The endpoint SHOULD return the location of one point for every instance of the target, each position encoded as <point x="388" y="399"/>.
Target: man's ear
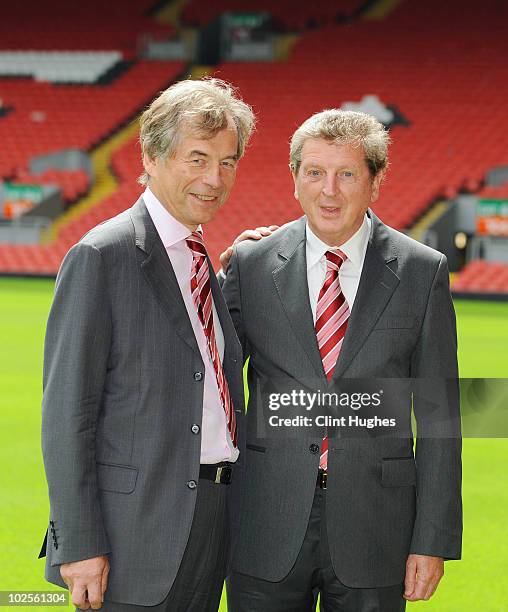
<point x="376" y="184"/>
<point x="295" y="193"/>
<point x="149" y="164"/>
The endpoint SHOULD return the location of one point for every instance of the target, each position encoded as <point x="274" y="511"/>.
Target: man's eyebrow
<point x="203" y="154"/>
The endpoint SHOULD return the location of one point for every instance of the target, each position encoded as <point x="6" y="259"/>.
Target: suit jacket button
<point x="192" y="484"/>
<point x="195" y="429"/>
<point x="314" y="449"/>
<point x="198" y="376"/>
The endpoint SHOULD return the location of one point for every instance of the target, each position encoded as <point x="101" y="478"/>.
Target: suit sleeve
<point x="232" y="295"/>
<point x="76" y="353"/>
<point x="438" y="524"/>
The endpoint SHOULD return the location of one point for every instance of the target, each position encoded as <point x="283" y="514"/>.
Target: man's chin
<point x="329" y="232"/>
<point x="204" y="214"/>
<point x="204" y="218"/>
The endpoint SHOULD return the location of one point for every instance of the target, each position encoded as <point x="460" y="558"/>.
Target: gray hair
<point x="206" y="106"/>
<point x="344" y="127"/>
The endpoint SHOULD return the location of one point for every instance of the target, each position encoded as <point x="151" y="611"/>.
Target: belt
<point x="220" y="473"/>
<point x="322" y="478"/>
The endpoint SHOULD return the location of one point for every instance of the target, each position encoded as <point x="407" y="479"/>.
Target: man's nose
<point x="213" y="177"/>
<point x="330" y="186"/>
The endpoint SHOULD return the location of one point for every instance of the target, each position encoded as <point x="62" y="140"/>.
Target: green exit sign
<point x="492" y="208"/>
<point x="27" y="193"/>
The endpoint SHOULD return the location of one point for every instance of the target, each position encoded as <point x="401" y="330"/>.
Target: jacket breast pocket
<point x="395" y="323"/>
<point x="116" y="478"/>
<point x="398" y="472"/>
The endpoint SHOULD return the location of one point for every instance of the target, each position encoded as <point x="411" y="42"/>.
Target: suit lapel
<point x="160" y="275"/>
<point x="290" y="280"/>
<point x="377" y="284"/>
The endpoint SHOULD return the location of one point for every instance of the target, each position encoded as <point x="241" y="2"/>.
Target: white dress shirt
<point x="349" y="272"/>
<point x="216" y="443"/>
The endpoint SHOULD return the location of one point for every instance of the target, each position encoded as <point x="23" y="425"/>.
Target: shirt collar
<point x="169" y="229"/>
<point x="354" y="248"/>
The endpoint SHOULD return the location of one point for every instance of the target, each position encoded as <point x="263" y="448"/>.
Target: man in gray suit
<point x="339" y="295"/>
<point x="143" y="389"/>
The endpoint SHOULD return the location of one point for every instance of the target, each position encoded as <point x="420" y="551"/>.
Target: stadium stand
<point x="441" y="65"/>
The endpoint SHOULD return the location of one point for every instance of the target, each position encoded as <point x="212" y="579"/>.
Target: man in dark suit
<point x="143" y="391"/>
<point x="339" y="295"/>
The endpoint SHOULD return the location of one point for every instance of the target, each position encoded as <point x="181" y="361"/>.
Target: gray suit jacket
<point x="381" y="503"/>
<point x="121" y="394"/>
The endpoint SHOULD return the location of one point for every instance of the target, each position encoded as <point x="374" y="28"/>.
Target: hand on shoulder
<point x="249" y="234"/>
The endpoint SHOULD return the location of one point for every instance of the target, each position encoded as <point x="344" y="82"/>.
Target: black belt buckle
<point x="322" y="479"/>
<point x="223" y="475"/>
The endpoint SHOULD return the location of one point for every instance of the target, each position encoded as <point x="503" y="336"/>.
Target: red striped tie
<point x="332" y="315"/>
<point x="202" y="296"/>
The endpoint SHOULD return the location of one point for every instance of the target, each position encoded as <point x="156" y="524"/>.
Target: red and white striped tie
<point x="332" y="315"/>
<point x="202" y="296"/>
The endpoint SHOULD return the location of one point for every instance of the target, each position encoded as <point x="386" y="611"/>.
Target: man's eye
<point x="229" y="164"/>
<point x="347" y="174"/>
<point x="313" y="173"/>
<point x="197" y="162"/>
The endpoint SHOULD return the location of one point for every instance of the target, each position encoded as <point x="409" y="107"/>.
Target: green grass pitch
<point x="478" y="582"/>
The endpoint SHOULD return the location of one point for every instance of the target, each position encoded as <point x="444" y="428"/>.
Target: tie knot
<point x="196" y="244"/>
<point x="335" y="258"/>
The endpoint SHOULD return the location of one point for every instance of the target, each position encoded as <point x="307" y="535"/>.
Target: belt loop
<point x="322" y="479"/>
